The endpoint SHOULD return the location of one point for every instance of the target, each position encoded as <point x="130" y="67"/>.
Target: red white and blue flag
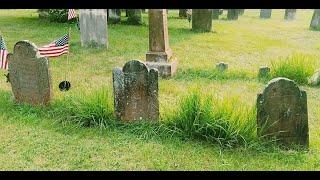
<point x="56" y="48"/>
<point x="71" y="14"/>
<point x="3" y="54"/>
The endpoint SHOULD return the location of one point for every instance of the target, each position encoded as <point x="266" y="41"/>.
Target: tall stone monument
<point x="136" y="92"/>
<point x="282" y="113"/>
<point x="29" y="75"/>
<point x="202" y="20"/>
<point x="93" y="27"/>
<point x="160" y="55"/>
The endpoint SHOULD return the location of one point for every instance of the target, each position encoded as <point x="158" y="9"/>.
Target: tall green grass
<point x="297" y="67"/>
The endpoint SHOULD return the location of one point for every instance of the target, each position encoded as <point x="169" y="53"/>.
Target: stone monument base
<point x="165" y="69"/>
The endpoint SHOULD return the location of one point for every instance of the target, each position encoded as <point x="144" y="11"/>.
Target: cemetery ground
<point x="78" y="131"/>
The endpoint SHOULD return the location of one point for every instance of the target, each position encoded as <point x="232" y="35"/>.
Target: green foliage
<point x="54" y="15"/>
<point x="297" y="67"/>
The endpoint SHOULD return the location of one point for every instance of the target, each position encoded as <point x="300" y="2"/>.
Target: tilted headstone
<point x="114" y="16"/>
<point x="29" y="75"/>
<point x="265" y="13"/>
<point x="202" y="20"/>
<point x="290" y="14"/>
<point x="93" y="27"/>
<point x="135" y="16"/>
<point x="221" y="66"/>
<point x="136" y="92"/>
<point x="160" y="55"/>
<point x="282" y="113"/>
<point x="233" y="14"/>
<point x="315" y="22"/>
<point x="263" y="71"/>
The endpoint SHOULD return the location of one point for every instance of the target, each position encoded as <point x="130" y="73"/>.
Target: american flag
<point x="3" y="54"/>
<point x="56" y="48"/>
<point x="71" y="14"/>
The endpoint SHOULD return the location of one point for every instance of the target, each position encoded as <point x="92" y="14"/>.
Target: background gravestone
<point x="29" y="75"/>
<point x="215" y="13"/>
<point x="202" y="20"/>
<point x="160" y="55"/>
<point x="233" y="14"/>
<point x="114" y="16"/>
<point x="136" y="92"/>
<point x="93" y="27"/>
<point x="265" y="13"/>
<point x="183" y="13"/>
<point x="282" y="113"/>
<point x="135" y="16"/>
<point x="290" y="14"/>
<point x="315" y="22"/>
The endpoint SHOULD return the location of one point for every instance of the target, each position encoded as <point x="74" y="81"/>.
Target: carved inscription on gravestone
<point x="29" y="75"/>
<point x="282" y="112"/>
<point x="136" y="92"/>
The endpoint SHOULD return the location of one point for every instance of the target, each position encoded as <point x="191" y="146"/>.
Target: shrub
<point x="54" y="15"/>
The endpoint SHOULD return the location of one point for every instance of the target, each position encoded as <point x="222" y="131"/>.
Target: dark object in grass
<point x="7" y="76"/>
<point x="64" y="86"/>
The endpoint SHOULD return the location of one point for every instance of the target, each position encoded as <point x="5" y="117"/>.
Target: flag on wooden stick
<point x="71" y="14"/>
<point x="56" y="48"/>
<point x="3" y="54"/>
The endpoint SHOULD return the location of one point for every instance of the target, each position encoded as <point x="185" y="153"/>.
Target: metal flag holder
<point x="66" y="85"/>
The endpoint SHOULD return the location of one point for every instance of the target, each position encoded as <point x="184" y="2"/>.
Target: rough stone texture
<point x="264" y="71"/>
<point x="160" y="54"/>
<point x="136" y="92"/>
<point x="265" y="13"/>
<point x="315" y="79"/>
<point x="29" y="75"/>
<point x="233" y="14"/>
<point x="114" y="16"/>
<point x="215" y="13"/>
<point x="183" y="13"/>
<point x="202" y="20"/>
<point x="315" y="22"/>
<point x="93" y="27"/>
<point x="135" y="16"/>
<point x="290" y="14"/>
<point x="282" y="113"/>
<point x="221" y="66"/>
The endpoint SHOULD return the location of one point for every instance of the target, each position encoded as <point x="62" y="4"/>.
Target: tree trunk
<point x="233" y="14"/>
<point x="183" y="13"/>
<point x="290" y="14"/>
<point x="315" y="21"/>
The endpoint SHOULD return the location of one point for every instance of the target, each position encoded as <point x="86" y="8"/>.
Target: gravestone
<point x="315" y="79"/>
<point x="315" y="22"/>
<point x="221" y="66"/>
<point x="240" y="12"/>
<point x="160" y="55"/>
<point x="183" y="13"/>
<point x="290" y="14"/>
<point x="202" y="20"/>
<point x="282" y="113"/>
<point x="233" y="14"/>
<point x="114" y="16"/>
<point x="29" y="75"/>
<point x="93" y="27"/>
<point x="215" y="13"/>
<point x="265" y="13"/>
<point x="134" y="16"/>
<point x="263" y="71"/>
<point x="136" y="92"/>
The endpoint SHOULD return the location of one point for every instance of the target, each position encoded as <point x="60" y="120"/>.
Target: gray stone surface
<point x="264" y="71"/>
<point x="160" y="55"/>
<point x="221" y="66"/>
<point x="29" y="75"/>
<point x="315" y="21"/>
<point x="93" y="27"/>
<point x="136" y="92"/>
<point x="265" y="13"/>
<point x="315" y="79"/>
<point x="202" y="20"/>
<point x="282" y="113"/>
<point x="290" y="14"/>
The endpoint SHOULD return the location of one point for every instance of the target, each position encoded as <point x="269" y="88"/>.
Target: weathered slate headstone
<point x="263" y="71"/>
<point x="233" y="14"/>
<point x="160" y="55"/>
<point x="114" y="16"/>
<point x="265" y="13"/>
<point x="136" y="92"/>
<point x="29" y="75"/>
<point x="93" y="27"/>
<point x="282" y="113"/>
<point x="315" y="22"/>
<point x="221" y="66"/>
<point x="202" y="20"/>
<point x="135" y="16"/>
<point x="290" y="14"/>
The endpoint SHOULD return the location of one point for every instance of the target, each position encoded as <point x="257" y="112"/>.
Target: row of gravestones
<point x="263" y="70"/>
<point x="281" y="107"/>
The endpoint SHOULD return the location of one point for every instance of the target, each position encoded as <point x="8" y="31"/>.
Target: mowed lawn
<point x="30" y="141"/>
